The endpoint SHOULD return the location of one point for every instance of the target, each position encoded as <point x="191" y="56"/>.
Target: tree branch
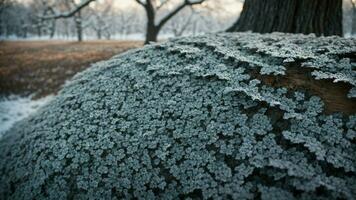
<point x="175" y="11"/>
<point x="70" y="13"/>
<point x="162" y="4"/>
<point x="141" y="3"/>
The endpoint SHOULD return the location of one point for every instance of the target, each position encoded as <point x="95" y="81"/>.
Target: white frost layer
<point x="15" y="108"/>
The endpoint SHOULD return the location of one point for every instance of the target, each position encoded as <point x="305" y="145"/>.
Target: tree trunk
<point x="79" y="33"/>
<point x="78" y="24"/>
<point x="322" y="17"/>
<point x="53" y="28"/>
<point x="151" y="29"/>
<point x="24" y="31"/>
<point x="98" y="34"/>
<point x="151" y="33"/>
<point x="39" y="30"/>
<point x="107" y="35"/>
<point x="1" y="27"/>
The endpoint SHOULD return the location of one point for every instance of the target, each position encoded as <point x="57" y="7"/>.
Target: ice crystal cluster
<point x="186" y="119"/>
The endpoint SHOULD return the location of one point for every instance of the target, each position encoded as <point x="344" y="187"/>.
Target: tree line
<point x="176" y="17"/>
<point x="101" y="19"/>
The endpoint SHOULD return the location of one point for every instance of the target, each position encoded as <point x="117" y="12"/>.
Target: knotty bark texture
<point x="322" y="17"/>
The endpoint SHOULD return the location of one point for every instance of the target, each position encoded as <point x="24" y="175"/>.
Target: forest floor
<point x="40" y="68"/>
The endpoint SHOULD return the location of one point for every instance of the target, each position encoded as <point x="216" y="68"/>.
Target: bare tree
<point x="181" y="23"/>
<point x="45" y="8"/>
<point x="100" y="19"/>
<point x="151" y="7"/>
<point x="99" y="25"/>
<point x="13" y="19"/>
<point x="3" y="5"/>
<point x="51" y="26"/>
<point x="127" y="21"/>
<point x="71" y="12"/>
<point x="75" y="12"/>
<point x="322" y="17"/>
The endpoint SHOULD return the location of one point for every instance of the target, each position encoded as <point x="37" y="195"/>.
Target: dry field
<point x="41" y="67"/>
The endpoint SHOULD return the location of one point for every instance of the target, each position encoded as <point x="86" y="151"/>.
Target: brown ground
<point x="41" y="67"/>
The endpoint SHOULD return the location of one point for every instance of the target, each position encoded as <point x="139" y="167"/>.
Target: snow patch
<point x="16" y="108"/>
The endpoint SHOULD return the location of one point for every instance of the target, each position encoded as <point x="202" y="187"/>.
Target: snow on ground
<point x="15" y="108"/>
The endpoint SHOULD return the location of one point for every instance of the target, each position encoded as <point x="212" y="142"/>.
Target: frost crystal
<point x="191" y="119"/>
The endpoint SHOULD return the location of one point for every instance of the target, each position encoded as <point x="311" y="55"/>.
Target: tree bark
<point x="151" y="33"/>
<point x="151" y="29"/>
<point x="322" y="17"/>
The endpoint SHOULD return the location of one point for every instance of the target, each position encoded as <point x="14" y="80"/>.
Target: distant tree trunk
<point x="53" y="28"/>
<point x="1" y="26"/>
<point x="98" y="34"/>
<point x="25" y="30"/>
<point x="53" y="23"/>
<point x="107" y="35"/>
<point x="322" y="17"/>
<point x="24" y="27"/>
<point x="78" y="26"/>
<point x="66" y="31"/>
<point x="39" y="30"/>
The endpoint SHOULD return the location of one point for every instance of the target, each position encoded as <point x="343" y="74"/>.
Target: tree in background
<point x="100" y="19"/>
<point x="180" y="24"/>
<point x="151" y="7"/>
<point x="322" y="17"/>
<point x="75" y="12"/>
<point x="3" y="4"/>
<point x="127" y="21"/>
<point x="13" y="19"/>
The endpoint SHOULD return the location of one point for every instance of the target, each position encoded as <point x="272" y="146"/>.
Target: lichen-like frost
<point x="185" y="119"/>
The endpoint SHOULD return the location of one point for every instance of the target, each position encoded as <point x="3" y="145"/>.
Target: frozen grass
<point x="15" y="108"/>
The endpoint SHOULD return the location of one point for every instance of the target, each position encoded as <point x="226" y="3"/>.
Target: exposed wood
<point x="334" y="95"/>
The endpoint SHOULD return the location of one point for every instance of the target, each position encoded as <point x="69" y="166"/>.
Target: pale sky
<point x="233" y="6"/>
<point x="230" y="7"/>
